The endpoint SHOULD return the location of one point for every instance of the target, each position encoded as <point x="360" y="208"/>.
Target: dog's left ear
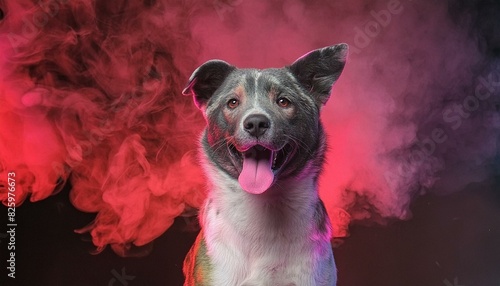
<point x="205" y="80"/>
<point x="318" y="70"/>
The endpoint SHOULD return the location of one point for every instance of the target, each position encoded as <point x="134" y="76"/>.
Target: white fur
<point x="268" y="239"/>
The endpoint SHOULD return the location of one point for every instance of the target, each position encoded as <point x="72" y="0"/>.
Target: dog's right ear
<point x="205" y="80"/>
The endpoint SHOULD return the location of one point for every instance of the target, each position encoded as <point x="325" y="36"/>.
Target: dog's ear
<point x="206" y="79"/>
<point x="318" y="70"/>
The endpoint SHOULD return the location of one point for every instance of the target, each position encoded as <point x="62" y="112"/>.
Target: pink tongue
<point x="257" y="175"/>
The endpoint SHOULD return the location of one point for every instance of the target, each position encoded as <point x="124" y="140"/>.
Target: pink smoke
<point x="409" y="61"/>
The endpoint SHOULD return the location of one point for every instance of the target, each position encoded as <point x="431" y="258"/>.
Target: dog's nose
<point x="256" y="124"/>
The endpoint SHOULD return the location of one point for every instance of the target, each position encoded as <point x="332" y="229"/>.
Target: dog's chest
<point x="261" y="242"/>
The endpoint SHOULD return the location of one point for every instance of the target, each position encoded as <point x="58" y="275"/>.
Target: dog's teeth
<point x="275" y="155"/>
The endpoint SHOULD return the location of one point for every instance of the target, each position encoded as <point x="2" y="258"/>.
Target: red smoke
<point x="90" y="93"/>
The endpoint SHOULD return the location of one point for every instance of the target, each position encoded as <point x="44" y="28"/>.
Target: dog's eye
<point x="233" y="103"/>
<point x="283" y="102"/>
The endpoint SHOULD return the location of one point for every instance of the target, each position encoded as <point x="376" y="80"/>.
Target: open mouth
<point x="259" y="165"/>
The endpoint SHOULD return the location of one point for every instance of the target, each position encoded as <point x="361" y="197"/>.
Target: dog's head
<point x="263" y="125"/>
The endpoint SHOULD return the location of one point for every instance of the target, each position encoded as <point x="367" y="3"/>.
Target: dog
<point x="263" y="149"/>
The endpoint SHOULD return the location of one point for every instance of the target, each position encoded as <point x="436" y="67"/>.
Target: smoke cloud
<point x="90" y="94"/>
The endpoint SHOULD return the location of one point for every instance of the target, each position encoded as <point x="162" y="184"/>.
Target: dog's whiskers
<point x="303" y="146"/>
